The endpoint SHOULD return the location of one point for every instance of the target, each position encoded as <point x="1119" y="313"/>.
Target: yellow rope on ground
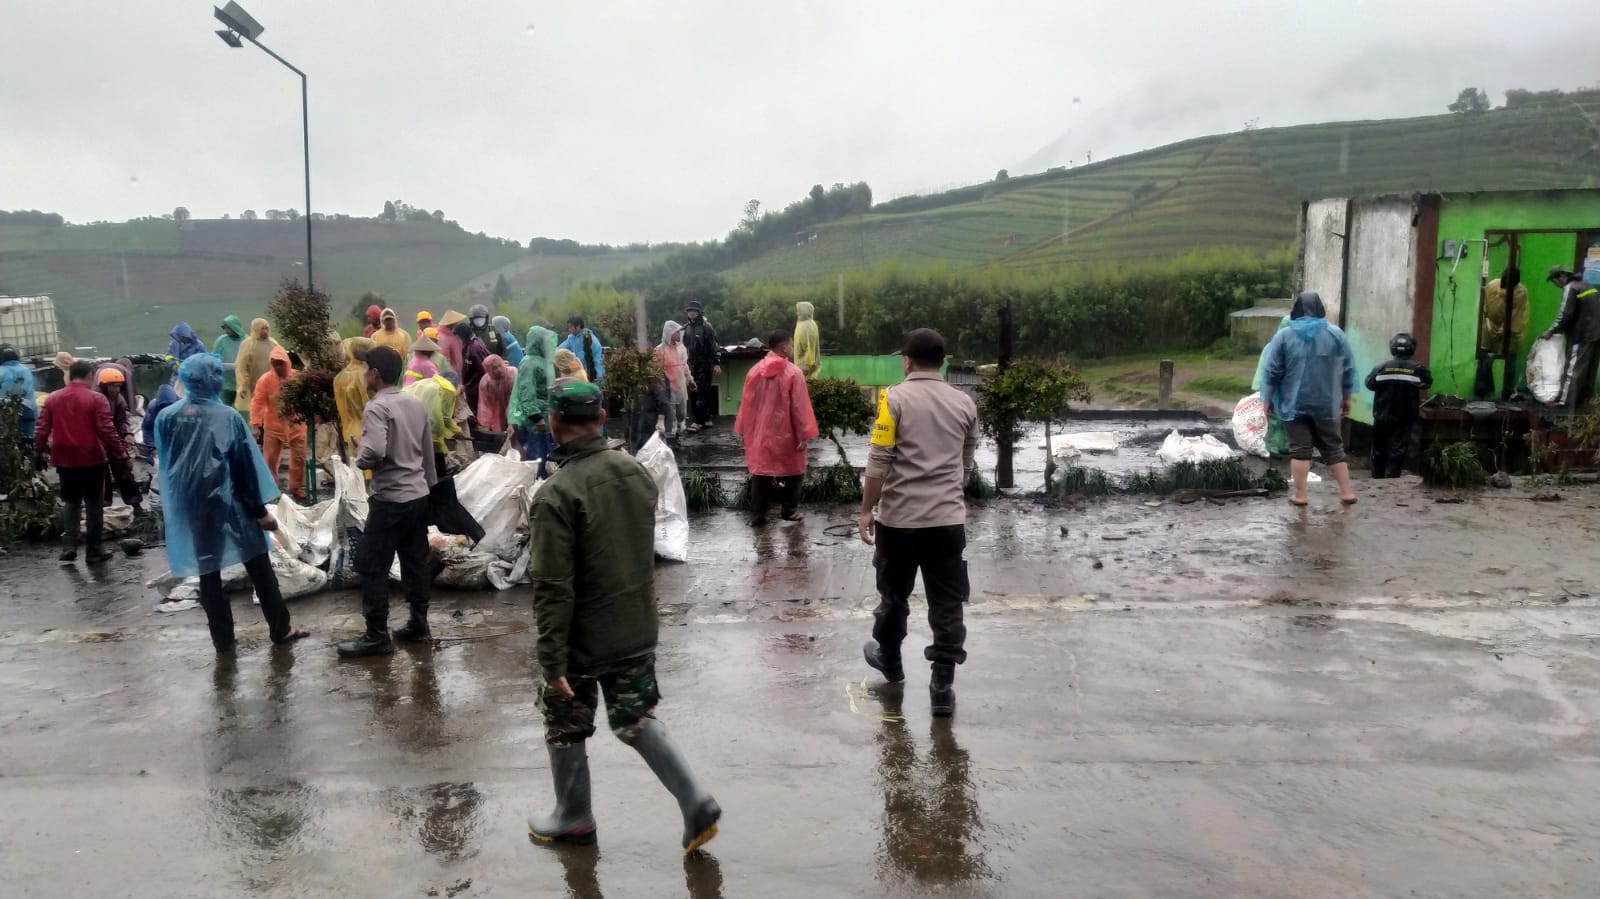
<point x="850" y="694"/>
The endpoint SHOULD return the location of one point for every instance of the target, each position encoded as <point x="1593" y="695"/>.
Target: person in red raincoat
<point x="494" y="394"/>
<point x="776" y="423"/>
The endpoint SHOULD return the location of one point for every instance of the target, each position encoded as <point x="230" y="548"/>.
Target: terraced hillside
<point x="1240" y="190"/>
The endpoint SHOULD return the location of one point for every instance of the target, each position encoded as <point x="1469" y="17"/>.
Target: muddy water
<point x="1239" y="701"/>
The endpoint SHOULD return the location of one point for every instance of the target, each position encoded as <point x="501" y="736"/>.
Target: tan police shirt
<point x="923" y="444"/>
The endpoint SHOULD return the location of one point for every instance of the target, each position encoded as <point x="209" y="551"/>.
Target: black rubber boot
<point x="368" y="644"/>
<point x="941" y="690"/>
<point x="416" y="630"/>
<point x="700" y="812"/>
<point x="886" y="662"/>
<point x="96" y="555"/>
<point x="573" y="818"/>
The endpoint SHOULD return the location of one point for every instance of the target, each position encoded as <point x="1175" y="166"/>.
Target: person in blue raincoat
<point x="1311" y="375"/>
<point x="585" y="344"/>
<point x="215" y="491"/>
<point x="513" y="350"/>
<point x="166" y="395"/>
<point x="16" y="380"/>
<point x="185" y="343"/>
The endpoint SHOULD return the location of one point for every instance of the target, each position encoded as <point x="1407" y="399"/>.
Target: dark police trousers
<point x="219" y="612"/>
<point x="936" y="552"/>
<point x="1391" y="440"/>
<point x="393" y="528"/>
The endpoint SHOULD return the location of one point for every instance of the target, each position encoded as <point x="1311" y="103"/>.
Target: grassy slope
<point x="1239" y="190"/>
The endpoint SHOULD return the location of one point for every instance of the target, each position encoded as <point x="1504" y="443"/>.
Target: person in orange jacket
<point x="274" y="428"/>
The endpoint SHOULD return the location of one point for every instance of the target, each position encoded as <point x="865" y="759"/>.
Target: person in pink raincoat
<point x="494" y="393"/>
<point x="775" y="422"/>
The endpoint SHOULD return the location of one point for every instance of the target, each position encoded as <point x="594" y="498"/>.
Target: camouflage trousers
<point x="631" y="695"/>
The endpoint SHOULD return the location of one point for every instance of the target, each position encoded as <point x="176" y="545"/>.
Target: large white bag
<point x="1250" y="426"/>
<point x="1178" y="448"/>
<point x="492" y="490"/>
<point x="1546" y="362"/>
<point x="672" y="507"/>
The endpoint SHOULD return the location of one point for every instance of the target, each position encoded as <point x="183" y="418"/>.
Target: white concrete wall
<point x="1323" y="253"/>
<point x="1378" y="298"/>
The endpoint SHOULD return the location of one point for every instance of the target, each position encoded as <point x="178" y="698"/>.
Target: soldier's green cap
<point x="576" y="399"/>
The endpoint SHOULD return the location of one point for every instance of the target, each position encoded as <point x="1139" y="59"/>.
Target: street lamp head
<point x="237" y="20"/>
<point x="229" y="37"/>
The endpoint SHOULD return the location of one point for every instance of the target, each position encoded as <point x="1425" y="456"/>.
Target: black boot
<point x="69" y="549"/>
<point x="573" y="818"/>
<point x="884" y="661"/>
<point x="96" y="554"/>
<point x="700" y="812"/>
<point x="371" y="643"/>
<point x="941" y="690"/>
<point x="416" y="629"/>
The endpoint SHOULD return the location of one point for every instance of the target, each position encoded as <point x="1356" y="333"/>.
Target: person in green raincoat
<point x="530" y="397"/>
<point x="1277" y="440"/>
<point x="227" y="348"/>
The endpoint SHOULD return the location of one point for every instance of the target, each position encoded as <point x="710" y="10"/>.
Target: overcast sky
<point x="623" y="121"/>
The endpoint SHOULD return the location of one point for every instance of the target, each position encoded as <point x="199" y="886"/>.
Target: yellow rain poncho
<point x="252" y="362"/>
<point x="807" y="340"/>
<point x="439" y="396"/>
<point x="350" y="392"/>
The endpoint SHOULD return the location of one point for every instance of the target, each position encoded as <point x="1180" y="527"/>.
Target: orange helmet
<point x="111" y="376"/>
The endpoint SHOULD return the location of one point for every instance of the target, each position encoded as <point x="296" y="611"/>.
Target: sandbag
<point x="1178" y="448"/>
<point x="1250" y="426"/>
<point x="490" y="489"/>
<point x="1070" y="445"/>
<point x="1546" y="362"/>
<point x="295" y="578"/>
<point x="672" y="507"/>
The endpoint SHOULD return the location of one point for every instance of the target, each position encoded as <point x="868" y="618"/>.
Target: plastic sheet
<point x="490" y="489"/>
<point x="1070" y="445"/>
<point x="672" y="508"/>
<point x="1178" y="448"/>
<point x="1546" y="361"/>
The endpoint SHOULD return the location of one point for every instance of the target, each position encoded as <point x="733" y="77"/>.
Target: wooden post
<point x="1003" y="475"/>
<point x="1164" y="390"/>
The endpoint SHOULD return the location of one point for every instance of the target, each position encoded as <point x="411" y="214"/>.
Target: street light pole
<point x="242" y="25"/>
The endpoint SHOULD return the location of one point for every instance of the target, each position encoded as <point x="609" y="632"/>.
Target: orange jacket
<point x="266" y="408"/>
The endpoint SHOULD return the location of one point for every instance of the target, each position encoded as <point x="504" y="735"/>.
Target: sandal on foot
<point x="1299" y="503"/>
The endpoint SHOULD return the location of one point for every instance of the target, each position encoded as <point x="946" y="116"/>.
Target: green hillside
<point x="1239" y="190"/>
<point x="121" y="287"/>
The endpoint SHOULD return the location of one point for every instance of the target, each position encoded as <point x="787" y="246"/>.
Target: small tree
<point x="181" y="214"/>
<point x="840" y="407"/>
<point x="1002" y="175"/>
<point x="630" y="376"/>
<point x="1471" y="100"/>
<point x="301" y="322"/>
<point x="1038" y="390"/>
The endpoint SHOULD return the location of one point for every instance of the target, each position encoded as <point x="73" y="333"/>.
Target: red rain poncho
<point x="494" y="393"/>
<point x="775" y="418"/>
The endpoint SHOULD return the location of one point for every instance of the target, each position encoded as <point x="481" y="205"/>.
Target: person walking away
<point x="424" y="353"/>
<point x="530" y="401"/>
<point x="391" y="335"/>
<point x="253" y="361"/>
<point x="585" y="344"/>
<point x="807" y="340"/>
<point x="1397" y="386"/>
<point x="450" y="346"/>
<point x="592" y="566"/>
<point x="274" y="428"/>
<point x="374" y="320"/>
<point x="512" y="351"/>
<point x="184" y="342"/>
<point x="473" y="354"/>
<point x="776" y="422"/>
<point x="705" y="364"/>
<point x="397" y="448"/>
<point x="350" y="392"/>
<point x="17" y="382"/>
<point x="226" y="348"/>
<point x="568" y="368"/>
<point x="478" y="316"/>
<point x="1311" y="374"/>
<point x="445" y="512"/>
<point x="424" y="322"/>
<point x="1579" y="320"/>
<point x="675" y="363"/>
<point x="494" y="394"/>
<point x="76" y="432"/>
<point x="215" y="493"/>
<point x="914" y="514"/>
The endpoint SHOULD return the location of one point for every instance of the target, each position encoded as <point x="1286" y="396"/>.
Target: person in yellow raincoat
<point x="439" y="396"/>
<point x="350" y="392"/>
<point x="391" y="335"/>
<point x="252" y="361"/>
<point x="567" y="366"/>
<point x="807" y="340"/>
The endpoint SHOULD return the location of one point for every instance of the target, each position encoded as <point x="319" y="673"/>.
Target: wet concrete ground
<point x="1238" y="701"/>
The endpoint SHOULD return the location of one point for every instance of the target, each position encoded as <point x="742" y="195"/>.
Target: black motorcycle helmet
<point x="8" y="353"/>
<point x="1403" y="345"/>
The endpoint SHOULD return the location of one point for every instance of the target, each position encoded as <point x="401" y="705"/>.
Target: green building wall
<point x="868" y="371"/>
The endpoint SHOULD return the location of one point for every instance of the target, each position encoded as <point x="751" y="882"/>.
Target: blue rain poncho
<point x="213" y="479"/>
<point x="513" y="350"/>
<point x="17" y="380"/>
<point x="165" y="396"/>
<point x="1309" y="365"/>
<point x="184" y="343"/>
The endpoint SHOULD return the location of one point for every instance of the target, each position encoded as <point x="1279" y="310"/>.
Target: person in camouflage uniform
<point x="593" y="574"/>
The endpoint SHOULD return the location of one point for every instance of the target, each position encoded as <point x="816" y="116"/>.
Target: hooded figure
<point x="776" y="422"/>
<point x="450" y="346"/>
<point x="276" y="428"/>
<point x="390" y="334"/>
<point x="165" y="396"/>
<point x="350" y="392"/>
<point x="512" y="351"/>
<point x="255" y="353"/>
<point x="215" y="488"/>
<point x="473" y="354"/>
<point x="674" y="358"/>
<point x="530" y="400"/>
<point x="1311" y="375"/>
<point x="374" y="320"/>
<point x="568" y="366"/>
<point x="421" y="367"/>
<point x="807" y="340"/>
<point x="16" y="380"/>
<point x="494" y="394"/>
<point x="227" y="349"/>
<point x="478" y="315"/>
<point x="184" y="342"/>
